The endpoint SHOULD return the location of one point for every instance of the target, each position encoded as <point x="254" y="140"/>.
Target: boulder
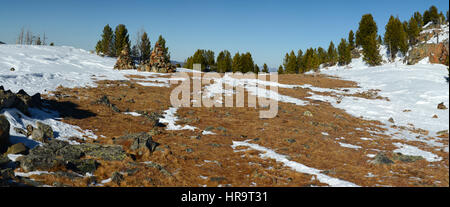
<point x="4" y="133"/>
<point x="18" y="148"/>
<point x="382" y="158"/>
<point x="58" y="153"/>
<point x="139" y="142"/>
<point x="46" y="130"/>
<point x="20" y="100"/>
<point x="442" y="106"/>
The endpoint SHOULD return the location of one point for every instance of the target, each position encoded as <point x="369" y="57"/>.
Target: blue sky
<point x="266" y="28"/>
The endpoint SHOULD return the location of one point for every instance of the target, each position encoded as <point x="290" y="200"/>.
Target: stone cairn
<point x="124" y="61"/>
<point x="158" y="62"/>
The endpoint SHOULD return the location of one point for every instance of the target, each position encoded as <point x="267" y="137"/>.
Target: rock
<point x="38" y="135"/>
<point x="20" y="131"/>
<point x="437" y="53"/>
<point x="435" y="116"/>
<point x="46" y="129"/>
<point x="4" y="160"/>
<point x="443" y="132"/>
<point x="442" y="106"/>
<point x="18" y="148"/>
<point x="117" y="178"/>
<point x="140" y="141"/>
<point x="60" y="153"/>
<point x="382" y="158"/>
<point x="221" y="128"/>
<point x="29" y="130"/>
<point x="82" y="166"/>
<point x="291" y="140"/>
<point x="4" y="133"/>
<point x="406" y="158"/>
<point x="12" y="69"/>
<point x="20" y="100"/>
<point x="307" y="113"/>
<point x="105" y="101"/>
<point x="391" y="120"/>
<point x="159" y="167"/>
<point x="105" y="152"/>
<point x="124" y="61"/>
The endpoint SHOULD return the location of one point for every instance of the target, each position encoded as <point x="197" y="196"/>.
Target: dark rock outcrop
<point x="4" y="133"/>
<point x="139" y="142"/>
<point x="20" y="100"/>
<point x="58" y="153"/>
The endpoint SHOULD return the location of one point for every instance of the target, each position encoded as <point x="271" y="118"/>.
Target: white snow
<point x="28" y="174"/>
<point x="40" y="69"/>
<point x="132" y="113"/>
<point x="170" y="118"/>
<point x="14" y="157"/>
<point x="349" y="145"/>
<point x="268" y="153"/>
<point x="419" y="87"/>
<point x="414" y="151"/>
<point x="61" y="130"/>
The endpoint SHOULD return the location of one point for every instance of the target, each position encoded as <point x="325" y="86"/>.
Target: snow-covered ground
<point x="41" y="69"/>
<point x="413" y="92"/>
<point x="416" y="88"/>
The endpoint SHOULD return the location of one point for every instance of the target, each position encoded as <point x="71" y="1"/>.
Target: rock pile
<point x="158" y="63"/>
<point x="20" y="100"/>
<point x="124" y="61"/>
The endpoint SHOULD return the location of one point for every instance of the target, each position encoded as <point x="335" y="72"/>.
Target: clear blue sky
<point x="266" y="28"/>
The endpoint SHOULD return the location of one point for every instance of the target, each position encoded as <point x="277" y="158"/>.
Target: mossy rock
<point x="406" y="158"/>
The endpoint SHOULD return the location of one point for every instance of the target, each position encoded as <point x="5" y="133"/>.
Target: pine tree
<point x="351" y="40"/>
<point x="236" y="64"/>
<point x="300" y="65"/>
<point x="434" y="15"/>
<point x="247" y="64"/>
<point x="322" y="54"/>
<point x="419" y="19"/>
<point x="122" y="39"/>
<point x="332" y="54"/>
<point x="144" y="47"/>
<point x="413" y="31"/>
<point x="345" y="55"/>
<point x="162" y="43"/>
<point x="291" y="63"/>
<point x="106" y="45"/>
<point x="265" y="68"/>
<point x="395" y="37"/>
<point x="426" y="17"/>
<point x="224" y="62"/>
<point x="280" y="70"/>
<point x="256" y="70"/>
<point x="367" y="38"/>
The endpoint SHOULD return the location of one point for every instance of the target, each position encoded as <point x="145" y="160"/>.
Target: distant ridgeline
<point x="2" y="43"/>
<point x="117" y="44"/>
